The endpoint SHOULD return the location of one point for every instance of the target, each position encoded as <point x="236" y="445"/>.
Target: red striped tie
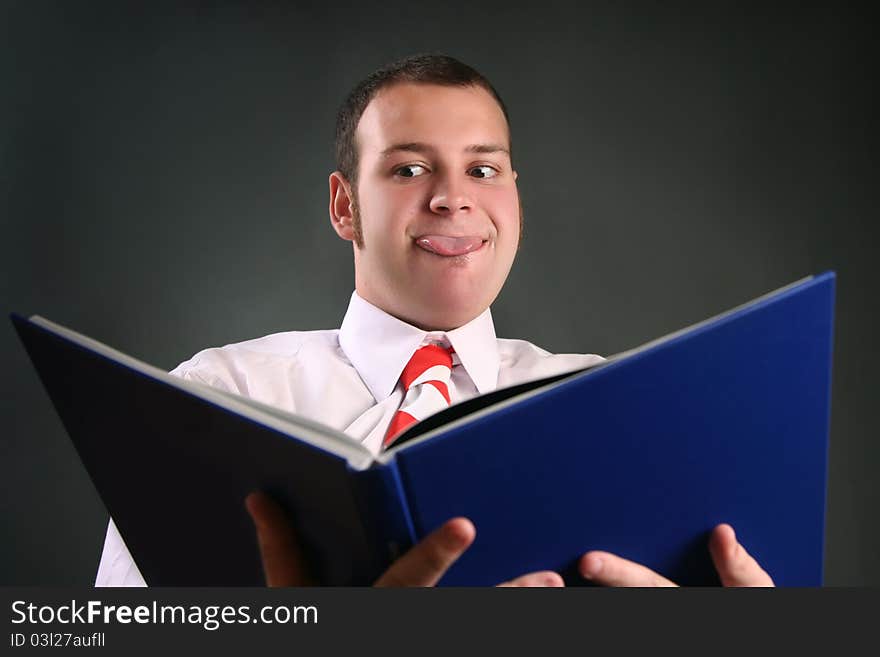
<point x="425" y="379"/>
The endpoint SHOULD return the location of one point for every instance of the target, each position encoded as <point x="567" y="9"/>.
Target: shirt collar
<point x="379" y="346"/>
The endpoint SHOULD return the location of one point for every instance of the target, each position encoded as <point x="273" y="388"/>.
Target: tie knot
<point x="426" y="382"/>
<point x="424" y="359"/>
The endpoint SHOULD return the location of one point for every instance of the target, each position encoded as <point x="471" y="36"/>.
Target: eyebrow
<point x="420" y="147"/>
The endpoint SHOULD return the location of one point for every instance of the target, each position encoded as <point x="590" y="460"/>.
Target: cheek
<point x="393" y="211"/>
<point x="506" y="215"/>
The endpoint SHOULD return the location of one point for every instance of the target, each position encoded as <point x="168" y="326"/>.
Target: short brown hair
<point x="420" y="69"/>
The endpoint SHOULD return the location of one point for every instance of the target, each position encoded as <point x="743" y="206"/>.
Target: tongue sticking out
<point x="449" y="246"/>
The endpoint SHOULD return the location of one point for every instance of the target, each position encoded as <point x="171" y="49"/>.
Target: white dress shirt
<point x="348" y="378"/>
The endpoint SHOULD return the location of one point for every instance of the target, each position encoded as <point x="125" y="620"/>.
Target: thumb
<point x="283" y="562"/>
<point x="427" y="561"/>
<point x="735" y="566"/>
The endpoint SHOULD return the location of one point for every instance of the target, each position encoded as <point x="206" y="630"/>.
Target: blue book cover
<point x="724" y="421"/>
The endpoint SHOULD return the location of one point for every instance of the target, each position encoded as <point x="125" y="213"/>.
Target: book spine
<point x="385" y="512"/>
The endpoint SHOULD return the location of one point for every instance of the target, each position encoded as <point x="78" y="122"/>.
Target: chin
<point x="447" y="314"/>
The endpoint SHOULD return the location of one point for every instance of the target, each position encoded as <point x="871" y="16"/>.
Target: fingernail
<point x="591" y="566"/>
<point x="458" y="533"/>
<point x="553" y="580"/>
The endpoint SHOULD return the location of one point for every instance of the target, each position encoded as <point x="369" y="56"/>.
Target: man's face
<point x="437" y="203"/>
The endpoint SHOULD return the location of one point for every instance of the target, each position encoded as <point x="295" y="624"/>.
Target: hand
<point x="735" y="566"/>
<point x="423" y="565"/>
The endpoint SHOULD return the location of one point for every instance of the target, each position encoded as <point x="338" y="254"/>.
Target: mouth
<point x="449" y="247"/>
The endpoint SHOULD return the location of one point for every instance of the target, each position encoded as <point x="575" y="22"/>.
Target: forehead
<point x="441" y="116"/>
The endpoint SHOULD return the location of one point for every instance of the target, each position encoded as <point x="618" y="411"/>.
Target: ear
<point x="341" y="212"/>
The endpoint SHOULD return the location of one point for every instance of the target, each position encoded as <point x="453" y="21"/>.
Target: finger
<point x="283" y="563"/>
<point x="542" y="578"/>
<point x="426" y="562"/>
<point x="610" y="570"/>
<point x="735" y="566"/>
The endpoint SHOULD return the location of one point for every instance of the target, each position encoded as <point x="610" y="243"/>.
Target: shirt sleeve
<point x="117" y="567"/>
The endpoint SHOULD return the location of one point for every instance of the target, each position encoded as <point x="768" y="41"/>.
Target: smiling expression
<point x="437" y="210"/>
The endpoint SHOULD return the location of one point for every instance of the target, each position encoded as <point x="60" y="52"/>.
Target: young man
<point x="426" y="193"/>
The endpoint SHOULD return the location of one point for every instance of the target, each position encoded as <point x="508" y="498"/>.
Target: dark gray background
<point x="164" y="188"/>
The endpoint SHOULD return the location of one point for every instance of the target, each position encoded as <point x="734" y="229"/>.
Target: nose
<point x="450" y="195"/>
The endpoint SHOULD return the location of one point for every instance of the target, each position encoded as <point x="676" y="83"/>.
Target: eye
<point x="410" y="170"/>
<point x="483" y="171"/>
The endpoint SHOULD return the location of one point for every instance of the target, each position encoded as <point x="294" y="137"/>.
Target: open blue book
<point x="642" y="455"/>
